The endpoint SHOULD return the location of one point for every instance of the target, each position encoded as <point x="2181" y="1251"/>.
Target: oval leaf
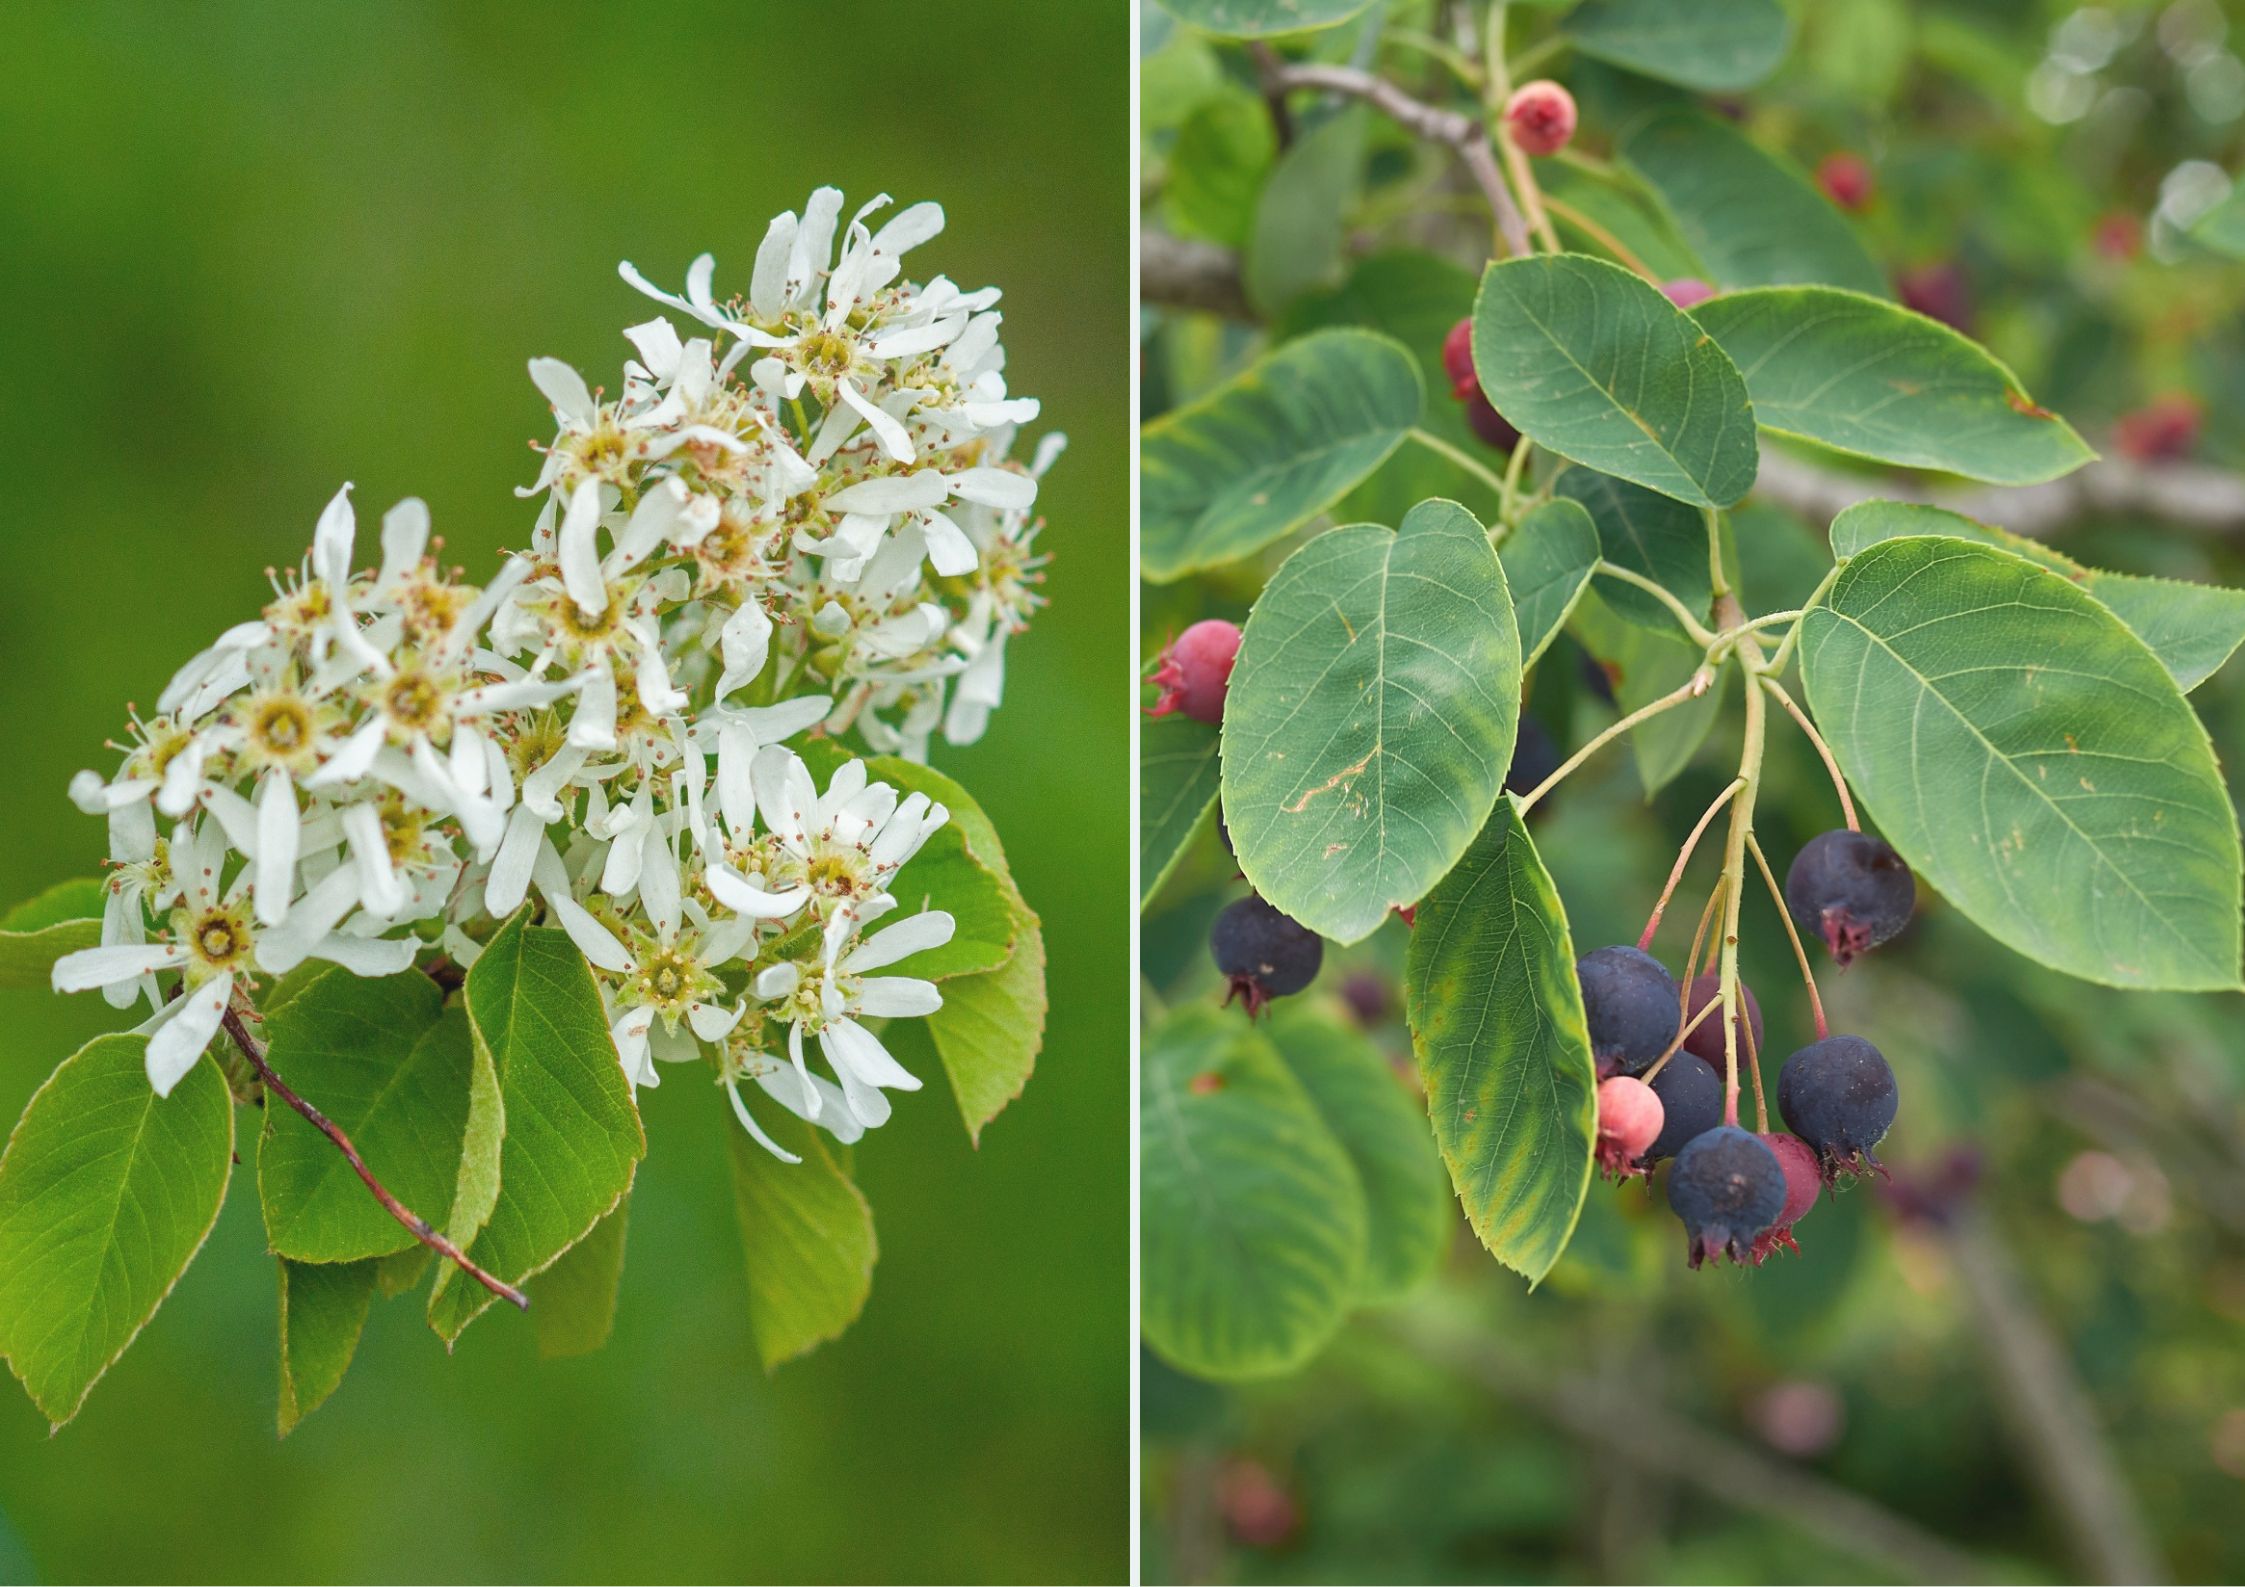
<point x="1497" y="1023"/>
<point x="1647" y="533"/>
<point x="1370" y="717"/>
<point x="1301" y="216"/>
<point x="1641" y="664"/>
<point x="1863" y="376"/>
<point x="1251" y="19"/>
<point x="807" y="1235"/>
<point x="1715" y="46"/>
<point x="44" y="927"/>
<point x="106" y="1193"/>
<point x="1270" y="449"/>
<point x="573" y="1302"/>
<point x="1548" y="558"/>
<point x="1253" y="1223"/>
<point x="1382" y="1125"/>
<point x="323" y="1312"/>
<point x="2192" y="628"/>
<point x="1177" y="767"/>
<point x="2030" y="757"/>
<point x="1753" y="219"/>
<point x="1591" y="362"/>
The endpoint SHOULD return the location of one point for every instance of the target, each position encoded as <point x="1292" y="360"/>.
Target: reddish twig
<point x="1816" y="741"/>
<point x="418" y="1226"/>
<point x="1800" y="953"/>
<point x="1676" y="872"/>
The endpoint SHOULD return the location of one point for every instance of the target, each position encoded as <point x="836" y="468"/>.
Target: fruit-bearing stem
<point x="1683" y="857"/>
<point x="1748" y="649"/>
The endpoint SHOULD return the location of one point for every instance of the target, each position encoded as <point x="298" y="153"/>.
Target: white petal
<point x="658" y="345"/>
<point x="949" y="550"/>
<point x="658" y="882"/>
<point x="908" y="228"/>
<point x="333" y="538"/>
<point x="370" y="850"/>
<point x="595" y="941"/>
<point x="894" y="441"/>
<point x="279" y="832"/>
<point x="713" y="1022"/>
<point x="509" y="882"/>
<point x="890" y="493"/>
<point x="593" y="725"/>
<point x="897" y="997"/>
<point x="366" y="956"/>
<point x="860" y="1052"/>
<point x="913" y="934"/>
<point x="737" y="893"/>
<point x="580" y="561"/>
<point x="746" y="644"/>
<point x="994" y="487"/>
<point x="92" y="967"/>
<point x="405" y="536"/>
<point x="174" y="1047"/>
<point x="740" y="1111"/>
<point x="566" y="390"/>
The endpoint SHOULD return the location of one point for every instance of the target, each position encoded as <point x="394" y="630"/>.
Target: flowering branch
<point x="418" y="1226"/>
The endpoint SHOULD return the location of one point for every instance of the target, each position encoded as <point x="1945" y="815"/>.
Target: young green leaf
<point x="44" y="927"/>
<point x="962" y="868"/>
<point x="1300" y="218"/>
<point x="1715" y="46"/>
<point x="1255" y="1230"/>
<point x="1863" y="376"/>
<point x="1650" y="534"/>
<point x="1249" y="19"/>
<point x="2031" y="758"/>
<point x="107" y="1191"/>
<point x="1750" y="216"/>
<point x="990" y="1028"/>
<point x="1272" y="448"/>
<point x="1370" y="717"/>
<point x="1497" y="1022"/>
<point x="1177" y="765"/>
<point x="1223" y="153"/>
<point x="1382" y="1125"/>
<point x="391" y="1067"/>
<point x="1642" y="664"/>
<point x="808" y="1237"/>
<point x="1591" y="362"/>
<point x="1547" y="562"/>
<point x="573" y="1137"/>
<point x="323" y="1312"/>
<point x="573" y="1302"/>
<point x="2192" y="628"/>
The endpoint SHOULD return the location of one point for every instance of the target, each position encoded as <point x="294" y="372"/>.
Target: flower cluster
<point x="805" y="522"/>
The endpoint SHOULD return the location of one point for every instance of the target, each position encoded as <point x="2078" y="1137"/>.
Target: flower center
<point x="219" y="939"/>
<point x="824" y="353"/>
<point x="415" y="704"/>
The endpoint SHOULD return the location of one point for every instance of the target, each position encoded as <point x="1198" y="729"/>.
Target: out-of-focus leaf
<point x="1248" y="19"/>
<point x="1715" y="46"/>
<point x="44" y="927"/>
<point x="1548" y="558"/>
<point x="807" y="1235"/>
<point x="1294" y="245"/>
<point x="323" y="1311"/>
<point x="1177" y="776"/>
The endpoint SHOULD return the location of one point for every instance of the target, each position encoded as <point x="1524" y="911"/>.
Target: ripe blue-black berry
<point x="1852" y="889"/>
<point x="1534" y="757"/>
<point x="1263" y="954"/>
<point x="1728" y="1188"/>
<point x="1706" y="1039"/>
<point x="1691" y="1103"/>
<point x="1196" y="670"/>
<point x="1838" y="1095"/>
<point x="1631" y="1001"/>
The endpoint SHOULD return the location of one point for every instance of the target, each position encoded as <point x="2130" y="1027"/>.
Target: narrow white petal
<point x="737" y="893"/>
<point x="886" y="430"/>
<point x="580" y="561"/>
<point x="566" y="390"/>
<point x="279" y="833"/>
<point x="995" y="487"/>
<point x="949" y="549"/>
<point x="740" y="1111"/>
<point x="124" y="962"/>
<point x="913" y="934"/>
<point x="595" y="941"/>
<point x="405" y="536"/>
<point x="509" y="882"/>
<point x="173" y="1048"/>
<point x="897" y="997"/>
<point x="366" y="956"/>
<point x="890" y="493"/>
<point x="332" y="539"/>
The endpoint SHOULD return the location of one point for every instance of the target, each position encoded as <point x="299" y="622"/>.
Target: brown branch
<point x="1462" y="133"/>
<point x="1623" y="1421"/>
<point x="418" y="1226"/>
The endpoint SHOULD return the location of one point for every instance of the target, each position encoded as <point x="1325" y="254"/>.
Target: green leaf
<point x="396" y="1274"/>
<point x="1370" y="717"/>
<point x="1863" y="376"/>
<point x="2031" y="758"/>
<point x="1270" y="449"/>
<point x="391" y="1067"/>
<point x="1647" y="533"/>
<point x="2222" y="228"/>
<point x="1254" y="1227"/>
<point x="990" y="1028"/>
<point x="2192" y="628"/>
<point x="323" y="1311"/>
<point x="1301" y="217"/>
<point x="1381" y="1124"/>
<point x="1753" y="219"/>
<point x="1547" y="561"/>
<point x="808" y="1237"/>
<point x="1497" y="1022"/>
<point x="1617" y="203"/>
<point x="572" y="1134"/>
<point x="1217" y="169"/>
<point x="44" y="927"/>
<point x="1642" y="664"/>
<point x="106" y="1193"/>
<point x="573" y="1302"/>
<point x="1251" y="19"/>
<point x="1591" y="362"/>
<point x="1715" y="46"/>
<point x="1177" y="767"/>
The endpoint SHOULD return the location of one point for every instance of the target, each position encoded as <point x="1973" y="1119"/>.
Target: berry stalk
<point x="1750" y="660"/>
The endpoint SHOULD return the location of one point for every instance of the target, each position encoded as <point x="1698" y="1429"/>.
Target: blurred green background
<point x="253" y="250"/>
<point x="2057" y="1287"/>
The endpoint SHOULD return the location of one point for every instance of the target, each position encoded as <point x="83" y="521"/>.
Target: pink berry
<point x="1706" y="1039"/>
<point x="1687" y="292"/>
<point x="1457" y="361"/>
<point x="1541" y="116"/>
<point x="1939" y="291"/>
<point x="1803" y="1179"/>
<point x="1629" y="1120"/>
<point x="1846" y="180"/>
<point x="1196" y="670"/>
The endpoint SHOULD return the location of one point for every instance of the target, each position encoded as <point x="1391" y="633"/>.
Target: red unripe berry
<point x="1489" y="424"/>
<point x="2119" y="235"/>
<point x="1803" y="1179"/>
<point x="1457" y="361"/>
<point x="1939" y="291"/>
<point x="1629" y="1121"/>
<point x="2160" y="431"/>
<point x="1706" y="1039"/>
<point x="1846" y="180"/>
<point x="1258" y="1510"/>
<point x="1687" y="292"/>
<point x="1541" y="117"/>
<point x="1195" y="671"/>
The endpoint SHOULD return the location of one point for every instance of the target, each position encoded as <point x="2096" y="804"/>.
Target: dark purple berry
<point x="1838" y="1095"/>
<point x="1263" y="954"/>
<point x="1729" y="1188"/>
<point x="1691" y="1103"/>
<point x="1706" y="1039"/>
<point x="1493" y="427"/>
<point x="1631" y="1003"/>
<point x="1851" y="889"/>
<point x="1534" y="757"/>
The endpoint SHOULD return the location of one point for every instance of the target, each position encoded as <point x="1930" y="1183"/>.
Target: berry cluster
<point x="1668" y="1072"/>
